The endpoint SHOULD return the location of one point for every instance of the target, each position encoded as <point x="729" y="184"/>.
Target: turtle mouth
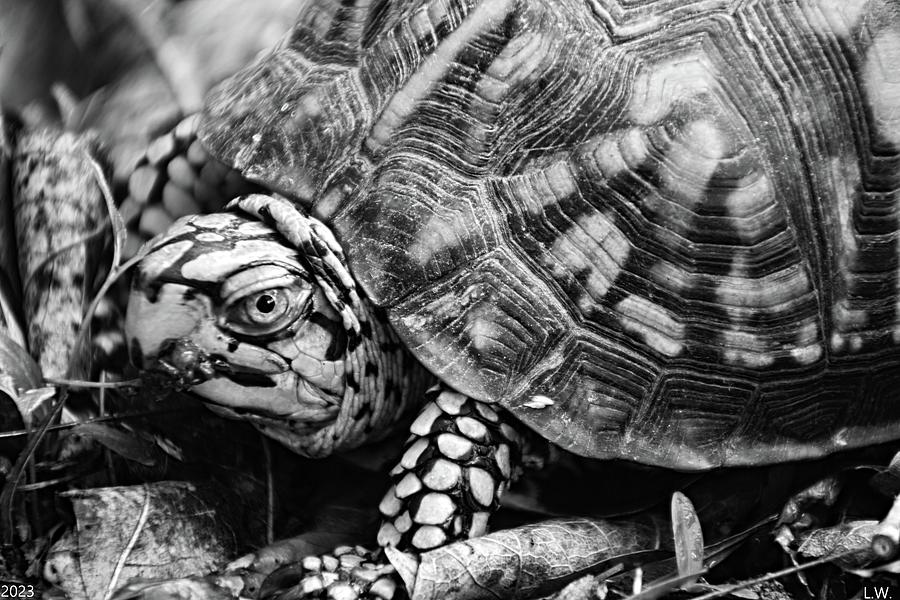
<point x="187" y="365"/>
<point x="245" y="392"/>
<point x="243" y="376"/>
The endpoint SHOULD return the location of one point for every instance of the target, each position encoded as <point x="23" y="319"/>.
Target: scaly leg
<point x="456" y="464"/>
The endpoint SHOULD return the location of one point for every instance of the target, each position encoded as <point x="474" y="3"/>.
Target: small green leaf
<point x="35" y="404"/>
<point x="688" y="538"/>
<point x="18" y="371"/>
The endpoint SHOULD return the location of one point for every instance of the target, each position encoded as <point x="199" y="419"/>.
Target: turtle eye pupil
<point x="264" y="308"/>
<point x="265" y="303"/>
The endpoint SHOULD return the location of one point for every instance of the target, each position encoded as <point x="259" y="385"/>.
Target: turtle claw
<point x="347" y="574"/>
<point x="282" y="582"/>
<point x="802" y="511"/>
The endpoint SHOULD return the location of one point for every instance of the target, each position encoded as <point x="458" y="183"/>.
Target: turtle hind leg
<point x="455" y="466"/>
<point x="174" y="177"/>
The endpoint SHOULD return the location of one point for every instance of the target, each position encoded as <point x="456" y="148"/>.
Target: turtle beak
<point x="173" y="333"/>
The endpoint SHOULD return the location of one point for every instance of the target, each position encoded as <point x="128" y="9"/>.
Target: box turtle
<point x="660" y="231"/>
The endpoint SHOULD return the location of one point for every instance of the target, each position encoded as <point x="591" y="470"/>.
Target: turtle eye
<point x="262" y="301"/>
<point x="265" y="308"/>
<point x="264" y="312"/>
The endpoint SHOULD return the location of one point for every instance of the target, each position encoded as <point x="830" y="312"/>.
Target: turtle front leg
<point x="455" y="466"/>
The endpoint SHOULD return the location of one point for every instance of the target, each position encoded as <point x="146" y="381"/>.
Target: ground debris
<point x="160" y="530"/>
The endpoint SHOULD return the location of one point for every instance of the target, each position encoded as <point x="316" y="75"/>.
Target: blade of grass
<point x="15" y="474"/>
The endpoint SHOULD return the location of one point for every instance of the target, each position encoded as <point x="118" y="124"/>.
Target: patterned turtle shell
<point x="665" y="231"/>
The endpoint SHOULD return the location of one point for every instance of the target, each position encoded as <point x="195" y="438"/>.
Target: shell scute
<point x="676" y="220"/>
<point x="482" y="332"/>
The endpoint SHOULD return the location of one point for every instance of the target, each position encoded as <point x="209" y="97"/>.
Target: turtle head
<point x="259" y="327"/>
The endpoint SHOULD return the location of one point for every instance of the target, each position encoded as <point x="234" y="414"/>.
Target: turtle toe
<point x="349" y="573"/>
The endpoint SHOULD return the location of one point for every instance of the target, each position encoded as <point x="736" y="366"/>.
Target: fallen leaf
<point x="162" y="530"/>
<point x="538" y="402"/>
<point x="850" y="542"/>
<point x="529" y="561"/>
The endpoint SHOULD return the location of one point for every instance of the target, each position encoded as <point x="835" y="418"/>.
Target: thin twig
<point x="724" y="591"/>
<point x="15" y="474"/>
<point x="115" y="218"/>
<point x="270" y="491"/>
<point x="135" y="535"/>
<point x="107" y="419"/>
<point x="116" y="270"/>
<point x="94" y="385"/>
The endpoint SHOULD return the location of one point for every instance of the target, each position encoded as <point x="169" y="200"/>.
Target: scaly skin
<point x="456" y="465"/>
<point x="270" y="328"/>
<point x="299" y="372"/>
<point x="176" y="177"/>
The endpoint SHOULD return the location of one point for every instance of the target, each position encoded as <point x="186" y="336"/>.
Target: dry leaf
<point x="529" y="561"/>
<point x="162" y="530"/>
<point x="853" y="537"/>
